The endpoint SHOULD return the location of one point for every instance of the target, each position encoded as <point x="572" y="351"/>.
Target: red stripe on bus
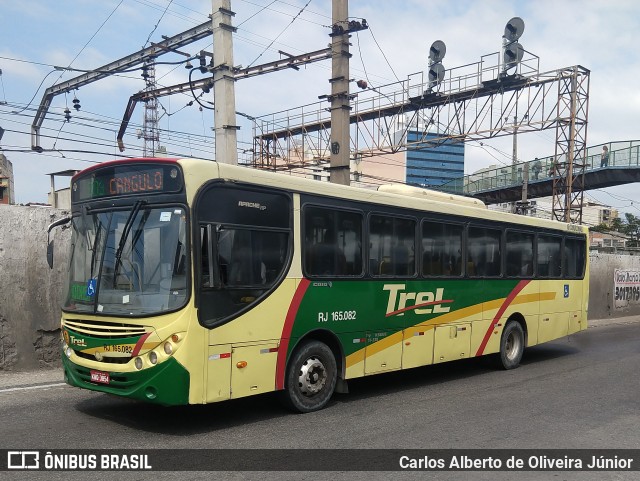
<point x="512" y="295"/>
<point x="286" y="331"/>
<point x="139" y="344"/>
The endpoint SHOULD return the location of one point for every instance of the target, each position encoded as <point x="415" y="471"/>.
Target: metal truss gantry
<point x="571" y="145"/>
<point x="473" y="103"/>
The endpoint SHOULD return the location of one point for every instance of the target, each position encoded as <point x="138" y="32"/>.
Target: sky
<point x="38" y="35"/>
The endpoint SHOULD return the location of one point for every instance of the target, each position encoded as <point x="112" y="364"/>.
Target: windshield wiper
<point x="84" y="210"/>
<point x="123" y="238"/>
<point x="93" y="248"/>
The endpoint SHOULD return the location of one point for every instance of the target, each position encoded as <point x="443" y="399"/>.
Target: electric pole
<point x="150" y="131"/>
<point x="224" y="96"/>
<point x="339" y="170"/>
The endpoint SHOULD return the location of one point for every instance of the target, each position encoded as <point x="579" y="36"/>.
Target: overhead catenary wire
<point x="286" y="13"/>
<point x="157" y="23"/>
<point x="255" y="14"/>
<point x="36" y="92"/>
<point x="172" y="12"/>
<point x="280" y="34"/>
<point x="92" y="37"/>
<point x="383" y="54"/>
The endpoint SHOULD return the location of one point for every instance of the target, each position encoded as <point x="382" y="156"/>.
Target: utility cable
<point x="258" y="12"/>
<point x="158" y="23"/>
<point x="92" y="37"/>
<point x="383" y="54"/>
<point x="285" y="13"/>
<point x="278" y="36"/>
<point x="36" y="93"/>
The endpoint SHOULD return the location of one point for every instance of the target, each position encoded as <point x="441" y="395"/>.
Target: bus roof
<point x="391" y="195"/>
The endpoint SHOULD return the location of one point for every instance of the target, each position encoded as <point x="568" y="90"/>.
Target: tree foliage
<point x="630" y="226"/>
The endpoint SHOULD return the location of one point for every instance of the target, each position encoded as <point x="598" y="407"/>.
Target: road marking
<point x="39" y="386"/>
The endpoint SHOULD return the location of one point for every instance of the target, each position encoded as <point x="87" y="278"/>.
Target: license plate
<point x="99" y="376"/>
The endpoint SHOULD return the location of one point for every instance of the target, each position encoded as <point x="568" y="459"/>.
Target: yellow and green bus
<point x="192" y="282"/>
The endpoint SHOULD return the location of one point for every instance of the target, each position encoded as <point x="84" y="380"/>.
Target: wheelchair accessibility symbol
<point x="91" y="287"/>
<point x="566" y="290"/>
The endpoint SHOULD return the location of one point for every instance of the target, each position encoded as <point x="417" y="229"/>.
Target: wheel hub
<point x="312" y="377"/>
<point x="512" y="346"/>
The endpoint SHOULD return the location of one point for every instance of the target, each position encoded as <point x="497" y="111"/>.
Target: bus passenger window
<point x="574" y="258"/>
<point x="441" y="249"/>
<point x="392" y="246"/>
<point x="333" y="242"/>
<point x="549" y="256"/>
<point x="483" y="250"/>
<point x="519" y="254"/>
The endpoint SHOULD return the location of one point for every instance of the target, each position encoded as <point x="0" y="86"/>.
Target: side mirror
<point x="57" y="223"/>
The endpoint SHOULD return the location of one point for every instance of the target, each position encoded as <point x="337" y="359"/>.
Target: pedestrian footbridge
<point x="504" y="184"/>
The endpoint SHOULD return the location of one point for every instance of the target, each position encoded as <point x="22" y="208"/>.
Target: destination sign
<point x="123" y="180"/>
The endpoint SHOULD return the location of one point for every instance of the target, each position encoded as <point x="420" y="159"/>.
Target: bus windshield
<point x="129" y="262"/>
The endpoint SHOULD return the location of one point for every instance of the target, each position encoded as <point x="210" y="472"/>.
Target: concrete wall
<point x="602" y="303"/>
<point x="29" y="291"/>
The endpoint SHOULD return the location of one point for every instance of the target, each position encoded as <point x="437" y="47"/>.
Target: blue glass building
<point x="429" y="166"/>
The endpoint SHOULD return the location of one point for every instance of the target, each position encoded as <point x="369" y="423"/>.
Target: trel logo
<point x="80" y="342"/>
<point x="421" y="302"/>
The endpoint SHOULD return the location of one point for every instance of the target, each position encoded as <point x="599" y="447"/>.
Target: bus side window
<point x="483" y="250"/>
<point x="333" y="242"/>
<point x="441" y="249"/>
<point x="549" y="256"/>
<point x="393" y="246"/>
<point x="574" y="258"/>
<point x="519" y="250"/>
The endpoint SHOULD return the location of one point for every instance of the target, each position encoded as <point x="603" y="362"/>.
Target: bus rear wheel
<point x="511" y="345"/>
<point x="311" y="378"/>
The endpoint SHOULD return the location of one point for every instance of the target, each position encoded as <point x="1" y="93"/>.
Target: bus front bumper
<point x="166" y="384"/>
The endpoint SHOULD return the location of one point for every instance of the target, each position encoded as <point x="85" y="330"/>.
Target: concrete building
<point x="616" y="240"/>
<point x="61" y="198"/>
<point x="7" y="195"/>
<point x="593" y="213"/>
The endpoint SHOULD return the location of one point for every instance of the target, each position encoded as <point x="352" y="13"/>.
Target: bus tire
<point x="311" y="377"/>
<point x="511" y="345"/>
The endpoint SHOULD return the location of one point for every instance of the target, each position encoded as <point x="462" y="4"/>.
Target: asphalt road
<point x="577" y="393"/>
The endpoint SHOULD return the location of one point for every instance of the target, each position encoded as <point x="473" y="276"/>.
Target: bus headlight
<point x="68" y="351"/>
<point x="168" y="348"/>
<point x="153" y="357"/>
<point x="138" y="363"/>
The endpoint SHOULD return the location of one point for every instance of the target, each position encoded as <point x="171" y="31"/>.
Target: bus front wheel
<point x="311" y="377"/>
<point x="511" y="345"/>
